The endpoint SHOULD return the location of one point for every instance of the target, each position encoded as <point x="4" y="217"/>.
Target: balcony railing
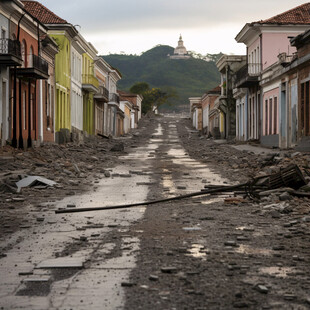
<point x="8" y="46"/>
<point x="104" y="91"/>
<point x="90" y="79"/>
<point x="242" y="73"/>
<point x="38" y="63"/>
<point x="102" y="95"/>
<point x="10" y="52"/>
<point x="254" y="69"/>
<point x="247" y="75"/>
<point x="36" y="67"/>
<point x="114" y="97"/>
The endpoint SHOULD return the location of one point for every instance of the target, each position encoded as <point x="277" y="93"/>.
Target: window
<point x="266" y="117"/>
<point x="270" y="116"/>
<point x="33" y="111"/>
<point x="307" y="109"/>
<point x="23" y="51"/>
<point x="24" y="110"/>
<point x="302" y="104"/>
<point x="258" y="60"/>
<point x="250" y="116"/>
<point x="275" y="115"/>
<point x="255" y="61"/>
<point x="30" y="57"/>
<point x="3" y="33"/>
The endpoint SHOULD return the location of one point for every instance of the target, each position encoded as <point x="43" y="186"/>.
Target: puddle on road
<point x="167" y="181"/>
<point x="180" y="157"/>
<point x="246" y="249"/>
<point x="47" y="240"/>
<point x="278" y="272"/>
<point x="179" y="160"/>
<point x="158" y="131"/>
<point x="156" y="140"/>
<point x="245" y="228"/>
<point x="197" y="251"/>
<point x="211" y="199"/>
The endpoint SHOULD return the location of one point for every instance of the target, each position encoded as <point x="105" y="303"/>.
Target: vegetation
<point x="153" y="98"/>
<point x="184" y="78"/>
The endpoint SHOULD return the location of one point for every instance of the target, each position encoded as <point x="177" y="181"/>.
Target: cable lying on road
<point x="147" y="203"/>
<point x="287" y="177"/>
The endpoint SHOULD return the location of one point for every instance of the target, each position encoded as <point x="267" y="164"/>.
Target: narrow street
<point x="207" y="252"/>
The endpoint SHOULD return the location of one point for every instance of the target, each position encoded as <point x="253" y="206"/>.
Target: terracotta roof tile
<point x="42" y="13"/>
<point x="217" y="89"/>
<point x="299" y="16"/>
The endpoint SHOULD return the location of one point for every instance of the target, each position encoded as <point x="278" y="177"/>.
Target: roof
<point x="301" y="39"/>
<point x="42" y="13"/>
<point x="215" y="90"/>
<point x="124" y="94"/>
<point x="299" y="15"/>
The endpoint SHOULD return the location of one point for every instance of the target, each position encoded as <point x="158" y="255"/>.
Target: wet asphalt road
<point x="191" y="254"/>
<point x="83" y="260"/>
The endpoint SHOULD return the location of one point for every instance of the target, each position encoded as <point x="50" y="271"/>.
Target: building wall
<point x="205" y="119"/>
<point x="63" y="83"/>
<point x="199" y="124"/>
<point x="88" y="97"/>
<point x="303" y="51"/>
<point x="273" y="44"/>
<point x="47" y="101"/>
<point x="27" y="95"/>
<point x="222" y="125"/>
<point x="88" y="113"/>
<point x="76" y="90"/>
<point x="271" y="111"/>
<point x="241" y="118"/>
<point x="254" y="56"/>
<point x="207" y="104"/>
<point x="4" y="87"/>
<point x="304" y="101"/>
<point x="270" y="119"/>
<point x="288" y="121"/>
<point x="127" y="116"/>
<point x="253" y="110"/>
<point x="101" y="75"/>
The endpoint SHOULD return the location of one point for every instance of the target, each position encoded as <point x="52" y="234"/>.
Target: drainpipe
<point x="18" y="26"/>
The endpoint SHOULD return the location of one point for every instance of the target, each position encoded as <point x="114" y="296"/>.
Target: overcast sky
<point x="115" y="26"/>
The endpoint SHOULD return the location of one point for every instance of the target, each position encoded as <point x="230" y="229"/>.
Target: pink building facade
<point x="268" y="45"/>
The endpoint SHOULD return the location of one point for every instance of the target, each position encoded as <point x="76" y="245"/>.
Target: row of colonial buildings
<point x="265" y="94"/>
<point x="53" y="86"/>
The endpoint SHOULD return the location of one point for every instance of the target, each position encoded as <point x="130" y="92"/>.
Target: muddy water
<point x="180" y="173"/>
<point x="81" y="260"/>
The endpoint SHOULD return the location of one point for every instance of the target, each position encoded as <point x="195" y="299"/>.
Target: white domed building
<point x="180" y="51"/>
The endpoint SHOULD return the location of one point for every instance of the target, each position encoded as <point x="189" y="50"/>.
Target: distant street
<point x="220" y="251"/>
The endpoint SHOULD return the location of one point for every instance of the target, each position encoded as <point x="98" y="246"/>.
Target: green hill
<point x="188" y="77"/>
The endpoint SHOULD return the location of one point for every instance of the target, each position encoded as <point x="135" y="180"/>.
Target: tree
<point x="153" y="98"/>
<point x="139" y="88"/>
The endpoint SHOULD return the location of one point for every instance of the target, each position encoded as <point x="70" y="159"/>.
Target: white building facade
<point x="76" y="86"/>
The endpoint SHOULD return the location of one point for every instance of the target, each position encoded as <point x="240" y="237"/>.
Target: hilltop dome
<point x="180" y="51"/>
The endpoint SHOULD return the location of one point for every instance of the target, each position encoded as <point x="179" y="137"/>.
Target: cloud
<point x="123" y="14"/>
<point x="135" y="26"/>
